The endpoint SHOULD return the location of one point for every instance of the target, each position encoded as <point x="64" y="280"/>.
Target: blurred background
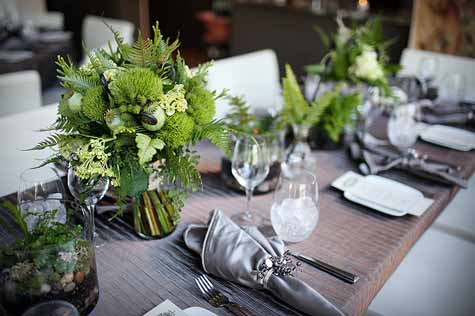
<point x="34" y="32"/>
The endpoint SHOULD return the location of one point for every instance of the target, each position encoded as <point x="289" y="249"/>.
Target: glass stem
<point x="91" y="208"/>
<point x="248" y="203"/>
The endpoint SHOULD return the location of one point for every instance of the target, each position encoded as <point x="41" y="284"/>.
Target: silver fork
<point x="217" y="298"/>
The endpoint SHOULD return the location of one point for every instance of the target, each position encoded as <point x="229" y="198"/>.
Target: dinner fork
<point x="217" y="298"/>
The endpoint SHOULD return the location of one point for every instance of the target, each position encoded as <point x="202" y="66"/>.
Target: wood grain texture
<point x="136" y="275"/>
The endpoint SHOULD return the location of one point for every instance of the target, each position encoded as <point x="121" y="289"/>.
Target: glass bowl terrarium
<point x="49" y="260"/>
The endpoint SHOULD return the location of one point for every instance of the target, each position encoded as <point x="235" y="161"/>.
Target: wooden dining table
<point x="135" y="274"/>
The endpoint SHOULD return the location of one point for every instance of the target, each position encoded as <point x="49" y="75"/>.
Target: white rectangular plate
<point x="451" y="137"/>
<point x="382" y="194"/>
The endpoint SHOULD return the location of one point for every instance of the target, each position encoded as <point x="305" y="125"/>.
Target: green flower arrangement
<point x="356" y="55"/>
<point x="134" y="111"/>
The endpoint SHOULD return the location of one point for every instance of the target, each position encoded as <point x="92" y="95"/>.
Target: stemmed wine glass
<point x="250" y="166"/>
<point x="294" y="212"/>
<point x="427" y="72"/>
<point x="89" y="192"/>
<point x="40" y="190"/>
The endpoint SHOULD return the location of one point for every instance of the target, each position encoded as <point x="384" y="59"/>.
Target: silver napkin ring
<point x="278" y="266"/>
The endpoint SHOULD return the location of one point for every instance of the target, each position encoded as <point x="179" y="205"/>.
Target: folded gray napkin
<point x="235" y="254"/>
<point x="378" y="156"/>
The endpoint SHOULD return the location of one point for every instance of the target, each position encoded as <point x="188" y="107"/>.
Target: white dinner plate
<point x="450" y="137"/>
<point x="198" y="311"/>
<point x="384" y="195"/>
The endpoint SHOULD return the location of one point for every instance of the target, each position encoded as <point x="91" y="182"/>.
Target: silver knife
<point x="336" y="272"/>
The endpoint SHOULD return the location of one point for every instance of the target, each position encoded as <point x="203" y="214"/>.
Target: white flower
<point x="366" y="66"/>
<point x="110" y="74"/>
<point x="174" y="100"/>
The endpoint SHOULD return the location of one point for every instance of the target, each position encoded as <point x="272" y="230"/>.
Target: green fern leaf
<point x="49" y="141"/>
<point x="141" y="54"/>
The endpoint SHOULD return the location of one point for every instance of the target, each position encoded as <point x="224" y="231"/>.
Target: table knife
<point x="336" y="272"/>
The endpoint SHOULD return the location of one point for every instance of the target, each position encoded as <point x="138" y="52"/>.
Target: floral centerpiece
<point x="48" y="260"/>
<point x="132" y="114"/>
<point x="356" y="59"/>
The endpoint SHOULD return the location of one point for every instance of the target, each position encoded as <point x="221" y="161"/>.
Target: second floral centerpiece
<point x="131" y="115"/>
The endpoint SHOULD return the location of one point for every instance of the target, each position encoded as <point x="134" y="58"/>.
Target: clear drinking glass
<point x="41" y="189"/>
<point x="250" y="166"/>
<point x="88" y="192"/>
<point x="294" y="213"/>
<point x="402" y="127"/>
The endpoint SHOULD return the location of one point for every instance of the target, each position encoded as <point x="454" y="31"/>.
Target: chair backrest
<point x="19" y="91"/>
<point x="30" y="7"/>
<point x="254" y="76"/>
<point x="411" y="60"/>
<point x="96" y="34"/>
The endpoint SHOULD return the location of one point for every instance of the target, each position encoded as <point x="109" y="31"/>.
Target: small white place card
<point x="382" y="194"/>
<point x="167" y="308"/>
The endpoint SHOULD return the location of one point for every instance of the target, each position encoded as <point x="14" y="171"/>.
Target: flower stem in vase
<point x="172" y="211"/>
<point x="162" y="215"/>
<point x="148" y="210"/>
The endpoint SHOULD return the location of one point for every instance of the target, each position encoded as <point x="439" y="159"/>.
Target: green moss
<point x="177" y="130"/>
<point x="201" y="104"/>
<point x="136" y="86"/>
<point x="93" y="105"/>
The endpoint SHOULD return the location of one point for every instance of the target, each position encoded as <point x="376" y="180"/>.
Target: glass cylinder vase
<point x="155" y="214"/>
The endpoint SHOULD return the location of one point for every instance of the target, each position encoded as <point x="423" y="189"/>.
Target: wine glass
<point x="427" y="72"/>
<point x="294" y="212"/>
<point x="250" y="166"/>
<point x="41" y="189"/>
<point x="89" y="192"/>
<point x="402" y="127"/>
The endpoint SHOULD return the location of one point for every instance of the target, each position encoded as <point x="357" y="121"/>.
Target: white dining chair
<point x="19" y="91"/>
<point x="36" y="12"/>
<point x="97" y="35"/>
<point x="254" y="76"/>
<point x="412" y="61"/>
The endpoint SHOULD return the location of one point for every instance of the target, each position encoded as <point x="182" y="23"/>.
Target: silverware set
<point x="217" y="298"/>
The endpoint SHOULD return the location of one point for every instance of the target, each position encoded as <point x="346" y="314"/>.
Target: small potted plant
<point x="49" y="260"/>
<point x="241" y="121"/>
<point x="356" y="61"/>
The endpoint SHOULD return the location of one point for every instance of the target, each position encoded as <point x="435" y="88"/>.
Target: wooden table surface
<point x="136" y="275"/>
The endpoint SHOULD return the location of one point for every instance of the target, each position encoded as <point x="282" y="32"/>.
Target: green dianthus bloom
<point x="136" y="86"/>
<point x="93" y="105"/>
<point x="177" y="130"/>
<point x="201" y="104"/>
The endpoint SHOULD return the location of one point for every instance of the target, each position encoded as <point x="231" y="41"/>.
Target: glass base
<point x="248" y="219"/>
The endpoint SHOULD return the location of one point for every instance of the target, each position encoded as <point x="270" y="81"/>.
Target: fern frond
<point x="141" y="54"/>
<point x="122" y="47"/>
<point x="216" y="132"/>
<point x="52" y="159"/>
<point x="49" y="141"/>
<point x="79" y="82"/>
<point x="319" y="106"/>
<point x="295" y="105"/>
<point x="181" y="168"/>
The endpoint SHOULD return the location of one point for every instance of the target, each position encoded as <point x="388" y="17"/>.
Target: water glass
<point x="250" y="166"/>
<point x="294" y="212"/>
<point x="402" y="127"/>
